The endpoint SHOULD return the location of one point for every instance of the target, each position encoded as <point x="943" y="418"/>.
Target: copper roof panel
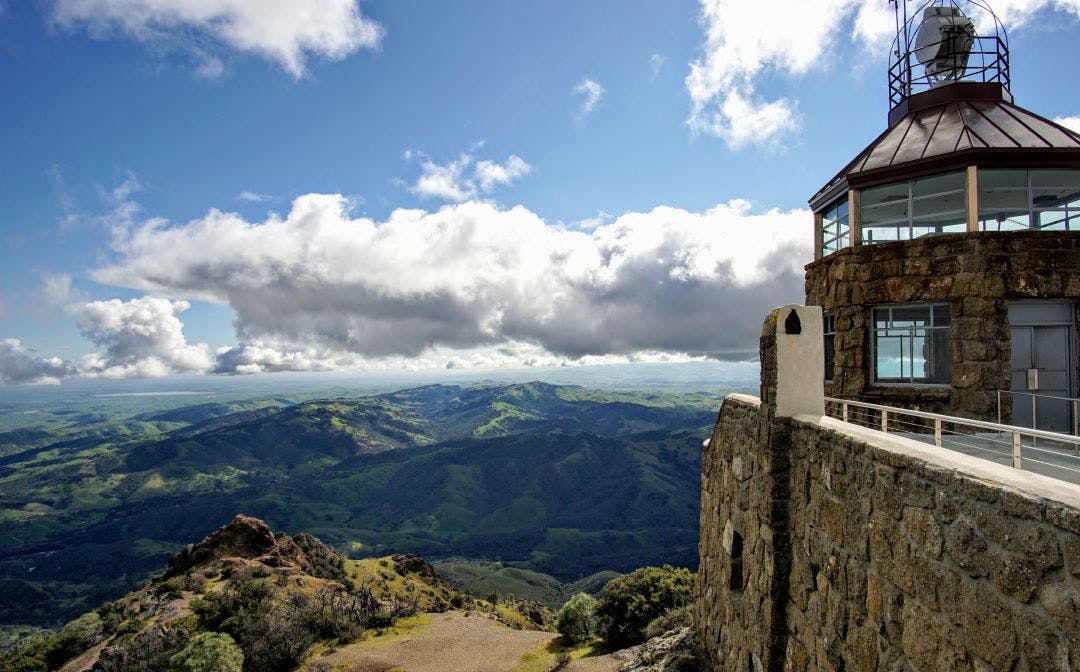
<point x="1020" y="134"/>
<point x="948" y="134"/>
<point x="980" y="129"/>
<point x="1053" y="135"/>
<point x="918" y="136"/>
<point x="881" y="153"/>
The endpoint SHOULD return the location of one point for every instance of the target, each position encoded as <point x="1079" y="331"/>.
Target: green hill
<point x="558" y="480"/>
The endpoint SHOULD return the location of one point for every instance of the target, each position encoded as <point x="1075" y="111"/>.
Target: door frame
<point x="1071" y="324"/>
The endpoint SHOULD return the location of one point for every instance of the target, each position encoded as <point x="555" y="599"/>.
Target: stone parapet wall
<point x="897" y="561"/>
<point x="976" y="273"/>
<point x="733" y="501"/>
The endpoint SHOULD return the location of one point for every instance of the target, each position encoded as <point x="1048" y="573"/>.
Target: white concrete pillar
<point x="800" y="361"/>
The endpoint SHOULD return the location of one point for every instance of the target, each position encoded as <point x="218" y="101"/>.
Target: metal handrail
<point x="1034" y="399"/>
<point x="951" y="419"/>
<point x="939" y="419"/>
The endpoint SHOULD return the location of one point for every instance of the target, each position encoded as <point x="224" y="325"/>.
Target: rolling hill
<point x="558" y="480"/>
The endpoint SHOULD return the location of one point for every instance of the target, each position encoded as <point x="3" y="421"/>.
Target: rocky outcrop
<point x="675" y="651"/>
<point x="244" y="538"/>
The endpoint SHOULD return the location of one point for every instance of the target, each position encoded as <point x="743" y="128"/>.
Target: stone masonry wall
<point x="827" y="546"/>
<point x="976" y="273"/>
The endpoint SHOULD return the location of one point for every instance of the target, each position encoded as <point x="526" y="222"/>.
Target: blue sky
<point x="480" y="184"/>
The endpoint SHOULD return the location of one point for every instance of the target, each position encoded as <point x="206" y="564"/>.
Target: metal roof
<point x="952" y="128"/>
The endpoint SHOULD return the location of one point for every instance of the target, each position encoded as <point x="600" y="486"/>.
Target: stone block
<point x="1016" y="576"/>
<point x="931" y="644"/>
<point x="989" y="628"/>
<point x="1022" y="505"/>
<point x="1044" y="648"/>
<point x="1061" y="600"/>
<point x="967" y="547"/>
<point x="1064" y="517"/>
<point x="924" y="531"/>
<point x="1072" y="555"/>
<point x="862" y="650"/>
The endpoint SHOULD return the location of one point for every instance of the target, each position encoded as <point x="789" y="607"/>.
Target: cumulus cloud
<point x="18" y="364"/>
<point x="283" y="31"/>
<point x="140" y="338"/>
<point x="1071" y="123"/>
<point x="746" y="43"/>
<point x="591" y="92"/>
<point x="319" y="285"/>
<point x="465" y="177"/>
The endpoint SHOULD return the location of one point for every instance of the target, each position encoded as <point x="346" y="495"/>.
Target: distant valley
<point x="553" y="483"/>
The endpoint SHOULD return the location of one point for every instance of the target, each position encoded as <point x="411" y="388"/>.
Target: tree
<point x="577" y="618"/>
<point x="209" y="652"/>
<point x="629" y="603"/>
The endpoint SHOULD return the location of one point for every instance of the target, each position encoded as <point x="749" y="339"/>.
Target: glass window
<point x="911" y="344"/>
<point x="829" y="328"/>
<point x="1047" y="200"/>
<point x="928" y="206"/>
<point x="834" y="227"/>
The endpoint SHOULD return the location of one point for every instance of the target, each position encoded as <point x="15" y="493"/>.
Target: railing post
<point x="1016" y="451"/>
<point x="844" y="408"/>
<point x="937" y="433"/>
<point x="885" y="421"/>
<point x="999" y="406"/>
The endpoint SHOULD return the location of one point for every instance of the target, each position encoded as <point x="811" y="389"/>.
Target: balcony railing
<point x="1048" y="453"/>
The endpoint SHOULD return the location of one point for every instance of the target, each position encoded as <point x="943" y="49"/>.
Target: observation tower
<point x="947" y="253"/>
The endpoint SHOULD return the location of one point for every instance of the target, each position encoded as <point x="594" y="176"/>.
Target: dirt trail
<point x="454" y="642"/>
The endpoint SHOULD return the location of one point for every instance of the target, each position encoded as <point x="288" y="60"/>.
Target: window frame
<point x="1032" y="211"/>
<point x="836" y="227"/>
<point x="911" y="381"/>
<point x="910" y="221"/>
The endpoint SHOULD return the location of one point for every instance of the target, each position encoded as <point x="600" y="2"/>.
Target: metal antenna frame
<point x="989" y="53"/>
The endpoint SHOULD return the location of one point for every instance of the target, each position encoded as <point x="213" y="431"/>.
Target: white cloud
<point x="1071" y="123"/>
<point x="252" y="197"/>
<point x="319" y="288"/>
<point x="18" y="364"/>
<point x="656" y="63"/>
<point x="211" y="68"/>
<point x="591" y="93"/>
<point x="56" y="289"/>
<point x="745" y="43"/>
<point x="141" y="338"/>
<point x="465" y="177"/>
<point x="284" y="31"/>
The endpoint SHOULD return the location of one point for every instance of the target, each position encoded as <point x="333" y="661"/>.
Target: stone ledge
<point x="1007" y="479"/>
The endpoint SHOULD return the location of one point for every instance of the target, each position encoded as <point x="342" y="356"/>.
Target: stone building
<point x="947" y="253"/>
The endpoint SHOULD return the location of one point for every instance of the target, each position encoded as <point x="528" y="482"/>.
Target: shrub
<point x="577" y="618"/>
<point x="672" y="619"/>
<point x="629" y="603"/>
<point x="209" y="652"/>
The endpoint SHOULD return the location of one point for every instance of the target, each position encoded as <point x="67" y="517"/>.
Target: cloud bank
<point x="283" y="31"/>
<point x="19" y="364"/>
<point x="319" y="289"/>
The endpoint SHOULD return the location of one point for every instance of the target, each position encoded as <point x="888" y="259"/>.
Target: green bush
<point x="672" y="619"/>
<point x="209" y="652"/>
<point x="629" y="603"/>
<point x="577" y="618"/>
